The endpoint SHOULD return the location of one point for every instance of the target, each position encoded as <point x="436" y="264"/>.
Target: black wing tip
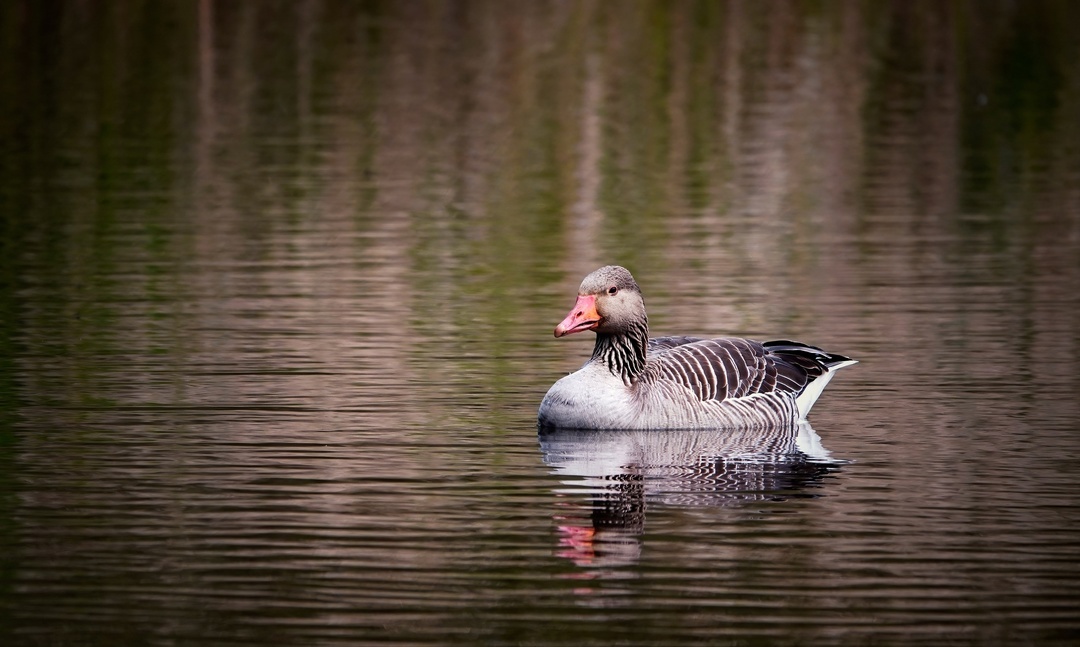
<point x="818" y="355"/>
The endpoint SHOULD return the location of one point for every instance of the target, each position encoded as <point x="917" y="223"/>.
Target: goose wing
<point x="725" y="368"/>
<point x="660" y="344"/>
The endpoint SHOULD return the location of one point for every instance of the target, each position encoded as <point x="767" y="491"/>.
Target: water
<point x="279" y="281"/>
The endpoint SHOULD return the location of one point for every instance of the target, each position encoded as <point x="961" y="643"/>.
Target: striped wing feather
<point x="658" y="344"/>
<point x="724" y="368"/>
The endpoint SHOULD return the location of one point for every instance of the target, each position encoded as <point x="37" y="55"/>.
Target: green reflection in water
<point x="491" y="151"/>
<point x="383" y="208"/>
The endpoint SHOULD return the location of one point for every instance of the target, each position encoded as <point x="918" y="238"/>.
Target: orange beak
<point x="582" y="317"/>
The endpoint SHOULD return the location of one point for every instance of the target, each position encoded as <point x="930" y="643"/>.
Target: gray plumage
<point x="633" y="382"/>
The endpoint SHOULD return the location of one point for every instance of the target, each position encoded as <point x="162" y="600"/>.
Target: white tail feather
<point x="805" y="400"/>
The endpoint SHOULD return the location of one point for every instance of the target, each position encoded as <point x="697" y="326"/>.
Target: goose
<point x="634" y="382"/>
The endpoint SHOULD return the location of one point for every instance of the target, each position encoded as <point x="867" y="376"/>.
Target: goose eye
<point x="613" y="290"/>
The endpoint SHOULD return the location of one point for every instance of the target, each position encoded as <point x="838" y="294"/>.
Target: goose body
<point x="633" y="382"/>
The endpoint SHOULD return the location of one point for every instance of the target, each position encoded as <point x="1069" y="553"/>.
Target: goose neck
<point x="623" y="353"/>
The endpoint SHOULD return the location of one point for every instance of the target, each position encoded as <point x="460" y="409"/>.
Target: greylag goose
<point x="633" y="382"/>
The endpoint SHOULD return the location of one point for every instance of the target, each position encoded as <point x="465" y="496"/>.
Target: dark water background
<point x="278" y="281"/>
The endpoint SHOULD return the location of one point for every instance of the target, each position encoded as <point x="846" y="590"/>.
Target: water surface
<point x="279" y="282"/>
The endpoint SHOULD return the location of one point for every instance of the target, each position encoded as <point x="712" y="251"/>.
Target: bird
<point x="682" y="382"/>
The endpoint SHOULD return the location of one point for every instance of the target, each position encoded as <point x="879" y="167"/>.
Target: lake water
<point x="278" y="283"/>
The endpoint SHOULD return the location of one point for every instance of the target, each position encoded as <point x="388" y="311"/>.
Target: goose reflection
<point x="623" y="471"/>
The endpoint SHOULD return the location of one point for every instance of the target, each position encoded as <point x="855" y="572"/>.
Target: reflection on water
<point x="625" y="471"/>
<point x="278" y="279"/>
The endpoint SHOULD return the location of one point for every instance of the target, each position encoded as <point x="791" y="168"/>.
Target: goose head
<point x="609" y="302"/>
